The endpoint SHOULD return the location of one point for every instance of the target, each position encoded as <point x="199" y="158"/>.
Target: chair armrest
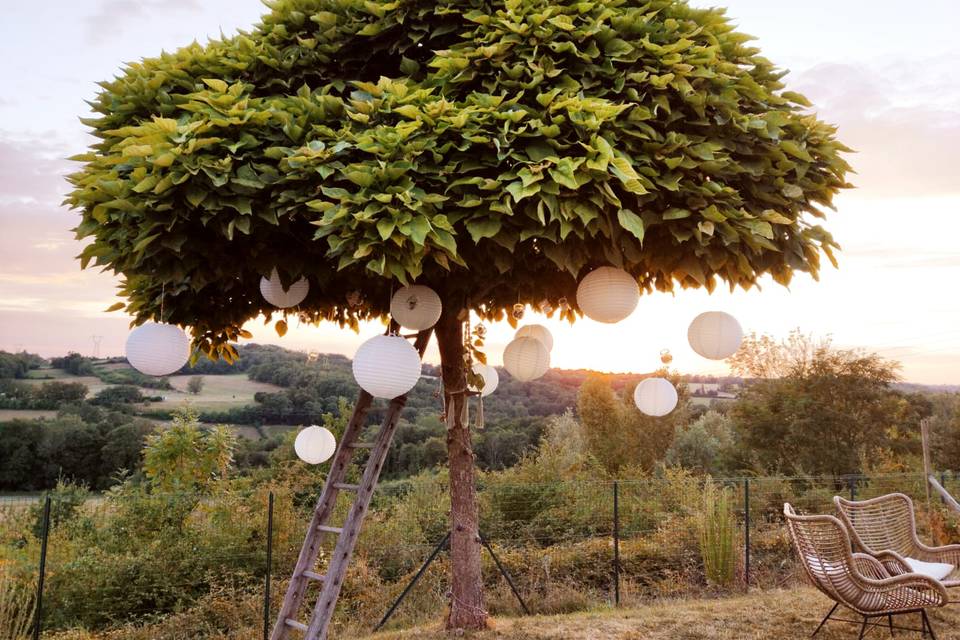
<point x="949" y="554"/>
<point x="906" y="591"/>
<point x="870" y="567"/>
<point x="893" y="562"/>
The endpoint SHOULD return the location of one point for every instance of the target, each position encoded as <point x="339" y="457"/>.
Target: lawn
<point x="788" y="613"/>
<point x="219" y="393"/>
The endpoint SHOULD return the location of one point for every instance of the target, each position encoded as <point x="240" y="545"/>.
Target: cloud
<point x="114" y="15"/>
<point x="32" y="171"/>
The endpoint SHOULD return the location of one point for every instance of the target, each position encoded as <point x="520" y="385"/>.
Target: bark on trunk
<point x="466" y="580"/>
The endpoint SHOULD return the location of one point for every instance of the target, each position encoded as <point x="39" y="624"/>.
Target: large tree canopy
<point x="494" y="149"/>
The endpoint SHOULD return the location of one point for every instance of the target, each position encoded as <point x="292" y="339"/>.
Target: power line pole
<point x="96" y="345"/>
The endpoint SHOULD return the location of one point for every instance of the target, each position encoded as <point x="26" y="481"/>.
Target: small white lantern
<point x="315" y="445"/>
<point x="537" y="331"/>
<point x="715" y="335"/>
<point x="416" y="307"/>
<point x="526" y="359"/>
<point x="490" y="378"/>
<point x="386" y="366"/>
<point x="158" y="349"/>
<point x="608" y="294"/>
<point x="273" y="292"/>
<point x="655" y="397"/>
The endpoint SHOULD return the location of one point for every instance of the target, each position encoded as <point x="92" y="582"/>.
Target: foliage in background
<point x="16" y="605"/>
<point x="706" y="446"/>
<point x="187" y="457"/>
<point x="718" y="535"/>
<point x="66" y="499"/>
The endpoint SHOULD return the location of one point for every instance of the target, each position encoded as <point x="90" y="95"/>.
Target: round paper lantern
<point x="490" y="378"/>
<point x="315" y="445"/>
<point x="273" y="292"/>
<point x="157" y="349"/>
<point x="537" y="331"/>
<point x="526" y="359"/>
<point x="715" y="335"/>
<point x="416" y="307"/>
<point x="655" y="397"/>
<point x="608" y="294"/>
<point x="386" y="366"/>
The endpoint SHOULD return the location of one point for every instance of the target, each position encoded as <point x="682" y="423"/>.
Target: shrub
<point x="718" y="532"/>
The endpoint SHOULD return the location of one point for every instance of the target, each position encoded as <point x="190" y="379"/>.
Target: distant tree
<point x="704" y="445"/>
<point x="827" y="410"/>
<point x="195" y="385"/>
<point x="57" y="393"/>
<point x="74" y="363"/>
<point x="945" y="431"/>
<point x="187" y="457"/>
<point x="21" y="468"/>
<point x="617" y="433"/>
<point x="118" y="395"/>
<point x="123" y="446"/>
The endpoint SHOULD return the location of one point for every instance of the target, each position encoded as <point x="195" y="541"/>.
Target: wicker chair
<point x="886" y="528"/>
<point x="856" y="580"/>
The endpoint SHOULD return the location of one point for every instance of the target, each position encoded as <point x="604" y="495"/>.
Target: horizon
<point x="890" y="87"/>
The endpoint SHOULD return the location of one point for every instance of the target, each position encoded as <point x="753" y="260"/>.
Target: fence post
<point x="45" y="535"/>
<point x="269" y="572"/>
<point x="746" y="531"/>
<point x="852" y="482"/>
<point x="616" y="543"/>
<point x="943" y="483"/>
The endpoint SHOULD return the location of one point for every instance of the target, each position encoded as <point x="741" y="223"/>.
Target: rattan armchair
<point x="886" y="528"/>
<point x="858" y="581"/>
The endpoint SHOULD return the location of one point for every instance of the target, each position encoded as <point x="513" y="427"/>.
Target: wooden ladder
<point x="303" y="574"/>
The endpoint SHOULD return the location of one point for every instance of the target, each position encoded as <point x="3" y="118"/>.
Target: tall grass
<point x="16" y="606"/>
<point x="718" y="532"/>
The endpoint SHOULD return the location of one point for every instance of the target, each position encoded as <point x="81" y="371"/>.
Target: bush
<point x="718" y="532"/>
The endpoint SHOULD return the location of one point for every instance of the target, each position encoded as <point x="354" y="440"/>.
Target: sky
<point x="886" y="75"/>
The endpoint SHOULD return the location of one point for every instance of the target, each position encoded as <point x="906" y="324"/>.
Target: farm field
<point x="219" y="393"/>
<point x="762" y="615"/>
<point x="26" y="414"/>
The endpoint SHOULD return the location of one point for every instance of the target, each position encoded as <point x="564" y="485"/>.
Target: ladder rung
<point x="313" y="575"/>
<point x="296" y="625"/>
<point x="324" y="527"/>
<point x="346" y="487"/>
<point x="362" y="445"/>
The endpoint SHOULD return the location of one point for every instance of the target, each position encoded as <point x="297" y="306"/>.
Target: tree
<point x="493" y="150"/>
<point x="826" y="413"/>
<point x="120" y="394"/>
<point x="186" y="457"/>
<point x="705" y="445"/>
<point x="195" y="385"/>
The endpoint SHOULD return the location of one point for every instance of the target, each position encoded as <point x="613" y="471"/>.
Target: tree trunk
<point x="466" y="581"/>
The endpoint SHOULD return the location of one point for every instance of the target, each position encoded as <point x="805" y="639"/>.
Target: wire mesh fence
<point x="123" y="558"/>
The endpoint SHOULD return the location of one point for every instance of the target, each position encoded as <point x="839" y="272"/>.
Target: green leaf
<point x="215" y="84"/>
<point x="623" y="170"/>
<point x="484" y="228"/>
<point x="419" y="228"/>
<point x="631" y="222"/>
<point x="385" y="228"/>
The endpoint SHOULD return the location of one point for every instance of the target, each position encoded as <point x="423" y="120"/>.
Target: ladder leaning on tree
<point x="330" y="583"/>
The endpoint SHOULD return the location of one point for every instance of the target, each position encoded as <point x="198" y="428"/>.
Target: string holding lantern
<point x="655" y="397"/>
<point x="275" y="293"/>
<point x="416" y="307"/>
<point x="608" y="295"/>
<point x="386" y="366"/>
<point x="715" y="335"/>
<point x="157" y="349"/>
<point x="526" y="359"/>
<point x="315" y="445"/>
<point x="538" y="332"/>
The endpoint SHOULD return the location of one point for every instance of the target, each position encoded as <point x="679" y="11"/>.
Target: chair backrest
<point x="823" y="548"/>
<point x="880" y="523"/>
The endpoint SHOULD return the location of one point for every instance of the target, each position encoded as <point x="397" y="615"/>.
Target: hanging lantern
<point x="608" y="295"/>
<point x="158" y="349"/>
<point x="655" y="397"/>
<point x="537" y="331"/>
<point x="315" y="445"/>
<point x="386" y="366"/>
<point x="665" y="356"/>
<point x="518" y="310"/>
<point x="490" y="378"/>
<point x="273" y="292"/>
<point x="715" y="335"/>
<point x="526" y="359"/>
<point x="416" y="307"/>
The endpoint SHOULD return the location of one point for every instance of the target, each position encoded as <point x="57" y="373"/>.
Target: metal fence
<point x="550" y="546"/>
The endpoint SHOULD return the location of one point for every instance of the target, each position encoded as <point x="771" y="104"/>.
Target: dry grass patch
<point x="219" y="393"/>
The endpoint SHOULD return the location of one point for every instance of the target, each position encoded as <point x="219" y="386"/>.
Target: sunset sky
<point x="886" y="74"/>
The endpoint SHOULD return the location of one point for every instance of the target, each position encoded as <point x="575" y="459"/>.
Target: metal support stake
<point x="746" y="531"/>
<point x="266" y="581"/>
<point x="506" y="575"/>
<point x="616" y="543"/>
<point x="943" y="483"/>
<point x="45" y="535"/>
<point x="413" y="582"/>
<point x="852" y="482"/>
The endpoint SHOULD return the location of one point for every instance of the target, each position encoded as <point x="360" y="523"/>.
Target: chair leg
<point x="863" y="629"/>
<point x="890" y="622"/>
<point x="824" y="621"/>
<point x="926" y="623"/>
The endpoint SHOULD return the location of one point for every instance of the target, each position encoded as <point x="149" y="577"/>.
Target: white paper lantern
<point x="158" y="349"/>
<point x="490" y="378"/>
<point x="526" y="359"/>
<point x="608" y="294"/>
<point x="715" y="335"/>
<point x="386" y="366"/>
<point x="537" y="331"/>
<point x="273" y="292"/>
<point x="655" y="397"/>
<point x="315" y="445"/>
<point x="416" y="307"/>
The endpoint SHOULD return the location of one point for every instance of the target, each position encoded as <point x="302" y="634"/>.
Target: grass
<point x="219" y="393"/>
<point x="25" y="414"/>
<point x="786" y="613"/>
